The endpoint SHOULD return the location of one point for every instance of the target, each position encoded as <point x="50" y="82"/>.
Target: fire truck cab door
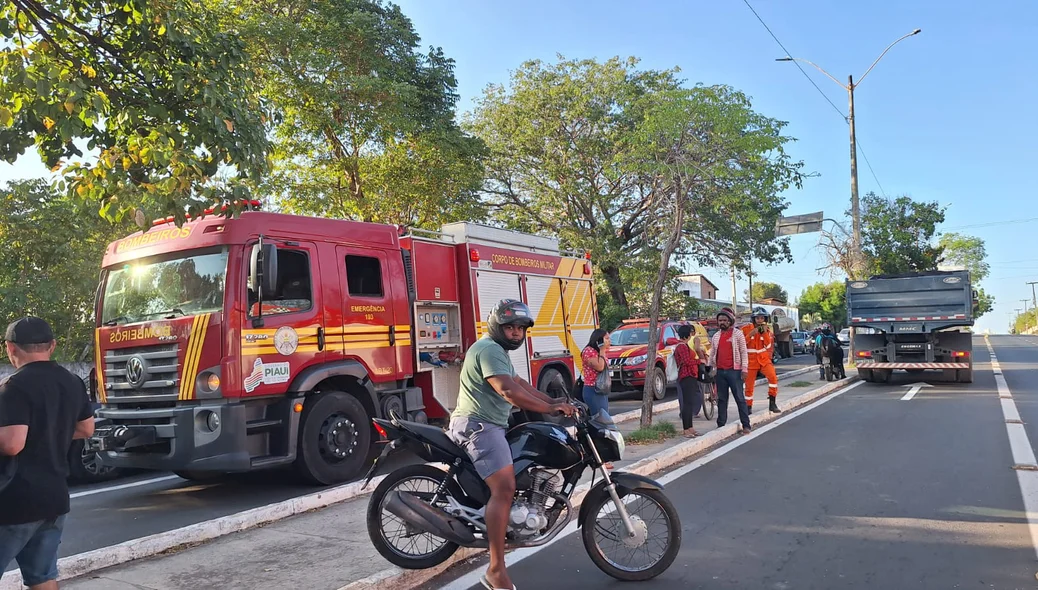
<point x="287" y="341"/>
<point x="370" y="331"/>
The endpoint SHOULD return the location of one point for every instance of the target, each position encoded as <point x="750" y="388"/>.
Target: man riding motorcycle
<point x="489" y="390"/>
<point x="760" y="343"/>
<point x="827" y="334"/>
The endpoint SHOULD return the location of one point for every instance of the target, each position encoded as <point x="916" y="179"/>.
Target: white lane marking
<point x="125" y="486"/>
<point x="911" y="393"/>
<point x="472" y="578"/>
<point x="1023" y="452"/>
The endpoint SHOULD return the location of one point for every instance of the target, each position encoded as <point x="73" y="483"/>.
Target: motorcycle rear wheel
<point x="593" y="529"/>
<point x="421" y="481"/>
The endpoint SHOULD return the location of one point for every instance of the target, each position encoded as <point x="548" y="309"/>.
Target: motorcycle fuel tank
<point x="544" y="443"/>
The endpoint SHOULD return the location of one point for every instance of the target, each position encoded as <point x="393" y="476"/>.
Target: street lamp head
<point x="787" y="58"/>
<point x="917" y="31"/>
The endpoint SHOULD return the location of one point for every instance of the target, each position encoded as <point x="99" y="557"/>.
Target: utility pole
<point x="735" y="294"/>
<point x="1034" y="301"/>
<point x="749" y="296"/>
<point x="856" y="256"/>
<point x="855" y="209"/>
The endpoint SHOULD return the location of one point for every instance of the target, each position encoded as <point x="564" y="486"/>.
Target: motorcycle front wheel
<point x="654" y="546"/>
<point x="400" y="543"/>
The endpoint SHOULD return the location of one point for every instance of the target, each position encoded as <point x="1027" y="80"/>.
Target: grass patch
<point x="801" y="384"/>
<point x="656" y="433"/>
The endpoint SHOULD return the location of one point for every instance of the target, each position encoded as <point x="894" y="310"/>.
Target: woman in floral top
<point x="690" y="396"/>
<point x="594" y="362"/>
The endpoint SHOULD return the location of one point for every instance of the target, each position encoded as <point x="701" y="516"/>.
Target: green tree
<point x="897" y="234"/>
<point x="567" y="156"/>
<point x="825" y="302"/>
<point x="162" y="99"/>
<point x="969" y="252"/>
<point x="53" y="247"/>
<point x="368" y="126"/>
<point x="767" y="290"/>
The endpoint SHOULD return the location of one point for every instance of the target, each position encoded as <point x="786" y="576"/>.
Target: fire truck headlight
<point x="213" y="382"/>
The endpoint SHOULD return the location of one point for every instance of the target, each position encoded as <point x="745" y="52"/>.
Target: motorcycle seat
<point x="434" y="435"/>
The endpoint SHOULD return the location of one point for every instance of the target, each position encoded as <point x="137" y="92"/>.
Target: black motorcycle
<point x="419" y="515"/>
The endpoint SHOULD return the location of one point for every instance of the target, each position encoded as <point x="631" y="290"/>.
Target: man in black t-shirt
<point x="42" y="408"/>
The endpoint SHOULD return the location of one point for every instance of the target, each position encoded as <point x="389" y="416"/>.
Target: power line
<point x="869" y="164"/>
<point x="820" y="91"/>
<point x="995" y="223"/>
<point x="799" y="67"/>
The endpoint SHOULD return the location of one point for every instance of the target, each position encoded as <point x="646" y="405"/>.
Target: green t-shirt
<point x="477" y="399"/>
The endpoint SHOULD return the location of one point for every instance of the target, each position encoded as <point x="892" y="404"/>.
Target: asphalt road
<point x="625" y="402"/>
<point x="153" y="502"/>
<point x="868" y="490"/>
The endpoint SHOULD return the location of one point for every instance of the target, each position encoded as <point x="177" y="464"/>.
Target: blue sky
<point x="947" y="115"/>
<point x="942" y="117"/>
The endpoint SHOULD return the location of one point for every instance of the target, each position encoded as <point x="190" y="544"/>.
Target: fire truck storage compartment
<point x="492" y="287"/>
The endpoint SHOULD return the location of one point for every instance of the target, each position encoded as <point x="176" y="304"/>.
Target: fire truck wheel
<point x="334" y="438"/>
<point x="553" y="383"/>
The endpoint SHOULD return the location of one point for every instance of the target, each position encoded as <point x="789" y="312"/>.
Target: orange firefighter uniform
<point x="760" y="344"/>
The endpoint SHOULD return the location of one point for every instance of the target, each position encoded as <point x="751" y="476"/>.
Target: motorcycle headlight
<point x="637" y="360"/>
<point x="616" y="437"/>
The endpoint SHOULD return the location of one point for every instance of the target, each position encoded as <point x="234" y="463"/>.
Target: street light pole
<point x="855" y="209"/>
<point x="856" y="255"/>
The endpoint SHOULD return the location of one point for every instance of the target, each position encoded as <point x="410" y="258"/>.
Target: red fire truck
<point x="229" y="345"/>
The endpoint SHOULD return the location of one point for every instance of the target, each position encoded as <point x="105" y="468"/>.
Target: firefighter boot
<point x="773" y="404"/>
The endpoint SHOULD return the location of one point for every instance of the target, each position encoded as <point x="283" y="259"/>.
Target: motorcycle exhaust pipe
<point x="429" y="519"/>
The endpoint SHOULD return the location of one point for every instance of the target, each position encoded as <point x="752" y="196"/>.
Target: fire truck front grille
<point x="146" y="376"/>
<point x="617" y="362"/>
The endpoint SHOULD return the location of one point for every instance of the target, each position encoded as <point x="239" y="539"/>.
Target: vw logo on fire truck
<point x="135" y="372"/>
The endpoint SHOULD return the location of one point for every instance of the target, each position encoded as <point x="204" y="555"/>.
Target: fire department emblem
<point x="286" y="340"/>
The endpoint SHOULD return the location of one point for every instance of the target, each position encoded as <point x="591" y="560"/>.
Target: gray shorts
<point x="484" y="443"/>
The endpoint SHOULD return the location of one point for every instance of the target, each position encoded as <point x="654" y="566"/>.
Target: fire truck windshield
<point x="165" y="288"/>
<point x="626" y="336"/>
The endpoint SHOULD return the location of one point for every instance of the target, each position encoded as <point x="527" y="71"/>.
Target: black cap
<point x="29" y="330"/>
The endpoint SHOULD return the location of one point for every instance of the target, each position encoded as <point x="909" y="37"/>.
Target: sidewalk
<point x="327" y="549"/>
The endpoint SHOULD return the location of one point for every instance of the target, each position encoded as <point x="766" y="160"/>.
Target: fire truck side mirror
<point x="263" y="272"/>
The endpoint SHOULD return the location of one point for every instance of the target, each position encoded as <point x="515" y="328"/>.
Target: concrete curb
<point x="394" y="577"/>
<point x="673" y="404"/>
<point x="83" y="563"/>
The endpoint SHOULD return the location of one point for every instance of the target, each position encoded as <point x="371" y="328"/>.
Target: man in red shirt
<point x="731" y="359"/>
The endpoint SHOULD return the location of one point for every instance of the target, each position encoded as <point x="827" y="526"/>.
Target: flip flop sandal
<point x="486" y="584"/>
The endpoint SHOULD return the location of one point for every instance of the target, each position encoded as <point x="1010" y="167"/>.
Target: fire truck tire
<point x="553" y="383"/>
<point x="334" y="438"/>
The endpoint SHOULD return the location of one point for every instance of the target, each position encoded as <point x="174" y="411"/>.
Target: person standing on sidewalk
<point x="43" y="407"/>
<point x="729" y="356"/>
<point x="690" y="396"/>
<point x="760" y="343"/>
<point x="594" y="362"/>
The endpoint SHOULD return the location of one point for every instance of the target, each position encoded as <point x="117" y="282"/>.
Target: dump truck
<point x="913" y="322"/>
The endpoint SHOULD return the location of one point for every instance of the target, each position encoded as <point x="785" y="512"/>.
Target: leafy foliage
<point x="969" y="252"/>
<point x="575" y="151"/>
<point x="368" y="129"/>
<point x="53" y="246"/>
<point x="897" y="234"/>
<point x="767" y="290"/>
<point x="161" y="97"/>
<point x="825" y="302"/>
